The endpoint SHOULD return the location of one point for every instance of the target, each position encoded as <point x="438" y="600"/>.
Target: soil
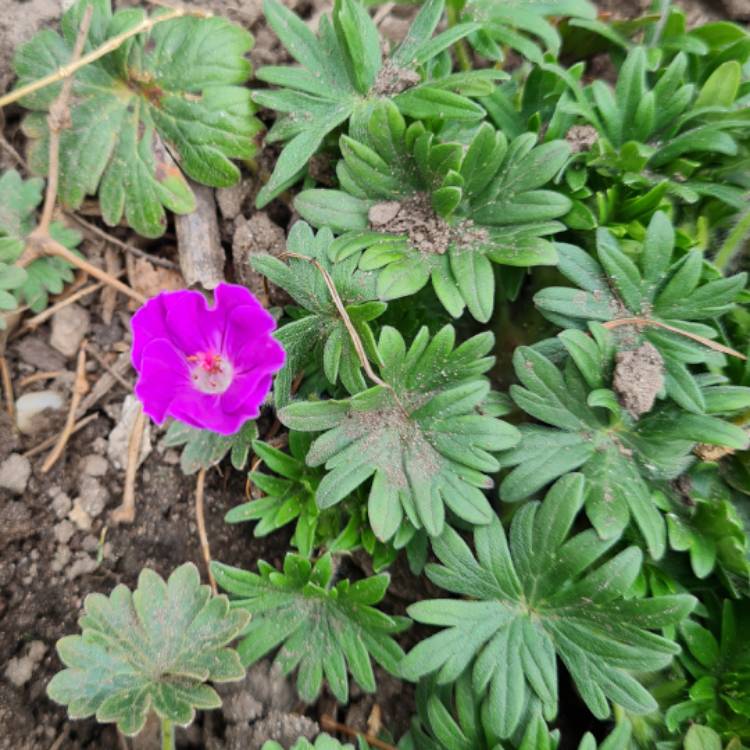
<point x="639" y="377"/>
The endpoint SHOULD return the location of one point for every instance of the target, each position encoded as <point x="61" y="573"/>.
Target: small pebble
<point x="79" y="516"/>
<point x="14" y="473"/>
<point x="94" y="466"/>
<point x="63" y="531"/>
<point x="31" y="407"/>
<point x="69" y="326"/>
<point x="81" y="566"/>
<point x="61" y="504"/>
<point x="21" y="668"/>
<point x="93" y="495"/>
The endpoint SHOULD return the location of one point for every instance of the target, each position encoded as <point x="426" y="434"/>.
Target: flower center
<point x="210" y="372"/>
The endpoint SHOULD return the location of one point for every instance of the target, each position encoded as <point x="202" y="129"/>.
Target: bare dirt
<point x="639" y="376"/>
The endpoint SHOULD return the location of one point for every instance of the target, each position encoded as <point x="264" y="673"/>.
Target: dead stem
<point x="156" y="261"/>
<point x="37" y="320"/>
<point x="37" y="449"/>
<point x="37" y="376"/>
<point x="644" y="322"/>
<point x="106" y="366"/>
<point x="330" y="725"/>
<point x="10" y="401"/>
<point x="125" y="513"/>
<point x="39" y="246"/>
<point x="58" y="119"/>
<point x="109" y="46"/>
<point x="351" y="330"/>
<point x="200" y="487"/>
<point x="80" y="386"/>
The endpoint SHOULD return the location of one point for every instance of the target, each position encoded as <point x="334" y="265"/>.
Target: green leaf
<point x="651" y="285"/>
<point x="437" y="213"/>
<point x="322" y="629"/>
<point x="623" y="460"/>
<point x="204" y="449"/>
<point x="529" y="598"/>
<point x="343" y="77"/>
<point x="167" y="102"/>
<point x="30" y="285"/>
<point x="150" y="649"/>
<point x="307" y="338"/>
<point x="322" y="742"/>
<point x="702" y="738"/>
<point x="428" y="414"/>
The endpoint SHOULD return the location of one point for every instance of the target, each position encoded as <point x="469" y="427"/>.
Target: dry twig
<point x="644" y="322"/>
<point x="106" y="366"/>
<point x="153" y="259"/>
<point x="39" y="242"/>
<point x="37" y="320"/>
<point x="331" y="725"/>
<point x="65" y="71"/>
<point x="49" y="442"/>
<point x="37" y="376"/>
<point x="10" y="401"/>
<point x="125" y="513"/>
<point x="351" y="330"/>
<point x="200" y="491"/>
<point x="79" y="389"/>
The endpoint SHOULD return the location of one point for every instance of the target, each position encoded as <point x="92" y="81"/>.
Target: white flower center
<point x="210" y="372"/>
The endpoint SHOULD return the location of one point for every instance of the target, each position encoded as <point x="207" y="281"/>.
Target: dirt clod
<point x="639" y="376"/>
<point x="581" y="138"/>
<point x="415" y="217"/>
<point x="392" y="80"/>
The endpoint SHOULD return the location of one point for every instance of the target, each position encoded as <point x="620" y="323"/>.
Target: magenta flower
<point x="210" y="367"/>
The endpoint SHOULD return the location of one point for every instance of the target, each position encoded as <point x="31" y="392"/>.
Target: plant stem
<point x="734" y="242"/>
<point x="167" y="735"/>
<point x="462" y="51"/>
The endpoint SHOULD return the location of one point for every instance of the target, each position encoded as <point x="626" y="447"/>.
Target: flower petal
<point x="246" y="394"/>
<point x="191" y="328"/>
<point x="163" y="374"/>
<point x="230" y="297"/>
<point x="147" y="324"/>
<point x="246" y="326"/>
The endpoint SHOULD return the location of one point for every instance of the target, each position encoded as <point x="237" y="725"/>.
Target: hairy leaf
<point x="536" y="594"/>
<point x="661" y="291"/>
<point x="421" y="436"/>
<point x="150" y="649"/>
<point x="31" y="285"/>
<point x="164" y="103"/>
<point x="320" y="629"/>
<point x="204" y="449"/>
<point x="419" y="209"/>
<point x="342" y="74"/>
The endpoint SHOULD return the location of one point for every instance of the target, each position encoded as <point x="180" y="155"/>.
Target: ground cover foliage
<point x="516" y="340"/>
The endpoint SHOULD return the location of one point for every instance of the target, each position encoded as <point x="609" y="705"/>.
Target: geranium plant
<point x="506" y="349"/>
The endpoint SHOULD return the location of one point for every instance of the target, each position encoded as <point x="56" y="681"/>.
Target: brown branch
<point x="331" y="725"/>
<point x="51" y="440"/>
<point x="125" y="513"/>
<point x="109" y="46"/>
<point x="156" y="261"/>
<point x="37" y="376"/>
<point x="351" y="330"/>
<point x="38" y="246"/>
<point x="200" y="487"/>
<point x="37" y="320"/>
<point x="644" y="322"/>
<point x="106" y="366"/>
<point x="58" y="119"/>
<point x="80" y="386"/>
<point x="10" y="401"/>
